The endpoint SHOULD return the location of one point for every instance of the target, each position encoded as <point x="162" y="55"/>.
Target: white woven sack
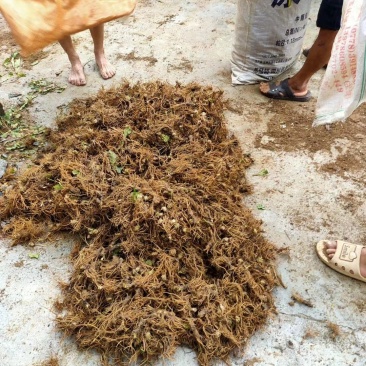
<point x="268" y="38"/>
<point x="344" y="83"/>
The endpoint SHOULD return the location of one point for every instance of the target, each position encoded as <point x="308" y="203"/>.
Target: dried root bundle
<point x="149" y="181"/>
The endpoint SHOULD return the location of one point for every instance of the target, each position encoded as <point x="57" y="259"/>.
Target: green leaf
<point x="112" y="157"/>
<point x="75" y="172"/>
<point x="119" y="169"/>
<point x="149" y="262"/>
<point x="127" y="132"/>
<point x="43" y="86"/>
<point x="15" y="146"/>
<point x="17" y="63"/>
<point x="166" y="138"/>
<point x="262" y="173"/>
<point x="34" y="255"/>
<point x="260" y="207"/>
<point x="58" y="187"/>
<point x="136" y="195"/>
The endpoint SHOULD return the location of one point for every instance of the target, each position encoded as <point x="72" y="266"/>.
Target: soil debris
<point x="310" y="333"/>
<point x="150" y="184"/>
<point x="53" y="361"/>
<point x="334" y="330"/>
<point x="298" y="298"/>
<point x="290" y="130"/>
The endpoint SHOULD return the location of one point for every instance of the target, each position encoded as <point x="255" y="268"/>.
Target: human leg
<point x="77" y="76"/>
<point x="329" y="20"/>
<point x="319" y="55"/>
<point x="105" y="68"/>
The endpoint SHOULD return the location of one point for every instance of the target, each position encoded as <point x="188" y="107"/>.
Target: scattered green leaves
<point x="260" y="207"/>
<point x="34" y="255"/>
<point x="12" y="116"/>
<point x="15" y="146"/>
<point x="13" y="62"/>
<point x="13" y="65"/>
<point x="15" y="131"/>
<point x="43" y="86"/>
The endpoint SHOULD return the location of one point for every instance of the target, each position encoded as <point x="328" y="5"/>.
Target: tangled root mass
<point x="148" y="180"/>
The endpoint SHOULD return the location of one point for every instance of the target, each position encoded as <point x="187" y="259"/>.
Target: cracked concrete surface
<point x="191" y="41"/>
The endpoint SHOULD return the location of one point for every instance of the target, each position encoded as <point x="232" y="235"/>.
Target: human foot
<point x="346" y="258"/>
<point x="77" y="76"/>
<point x="285" y="90"/>
<point x="106" y="69"/>
<point x="331" y="248"/>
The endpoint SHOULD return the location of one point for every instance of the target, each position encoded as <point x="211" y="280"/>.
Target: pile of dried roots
<point x="149" y="181"/>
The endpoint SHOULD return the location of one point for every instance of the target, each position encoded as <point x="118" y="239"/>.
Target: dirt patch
<point x="253" y="361"/>
<point x="33" y="59"/>
<point x="351" y="201"/>
<point x="185" y="65"/>
<point x="51" y="362"/>
<point x="147" y="179"/>
<point x="289" y="129"/>
<point x="166" y="20"/>
<point x="19" y="264"/>
<point x="132" y="57"/>
<point x="7" y="40"/>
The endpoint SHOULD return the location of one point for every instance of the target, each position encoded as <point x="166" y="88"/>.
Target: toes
<point x="330" y="244"/>
<point x="73" y="81"/>
<point x="107" y="72"/>
<point x="77" y="81"/>
<point x="82" y="82"/>
<point x="264" y="87"/>
<point x="330" y="252"/>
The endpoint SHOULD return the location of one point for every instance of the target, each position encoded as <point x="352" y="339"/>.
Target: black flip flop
<point x="284" y="92"/>
<point x="306" y="51"/>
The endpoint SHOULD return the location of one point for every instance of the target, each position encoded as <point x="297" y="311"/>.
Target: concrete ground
<point x="305" y="201"/>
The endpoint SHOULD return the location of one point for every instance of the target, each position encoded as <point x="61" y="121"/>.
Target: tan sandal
<point x="346" y="259"/>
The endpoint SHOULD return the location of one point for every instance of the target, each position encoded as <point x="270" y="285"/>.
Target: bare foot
<point x="298" y="91"/>
<point x="106" y="69"/>
<point x="77" y="76"/>
<point x="331" y="247"/>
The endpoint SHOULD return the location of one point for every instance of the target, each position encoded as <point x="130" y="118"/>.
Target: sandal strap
<point x="282" y="87"/>
<point x="286" y="88"/>
<point x="348" y="254"/>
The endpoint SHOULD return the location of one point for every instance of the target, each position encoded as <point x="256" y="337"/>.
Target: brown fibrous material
<point x="149" y="182"/>
<point x="53" y="361"/>
<point x="335" y="331"/>
<point x="298" y="298"/>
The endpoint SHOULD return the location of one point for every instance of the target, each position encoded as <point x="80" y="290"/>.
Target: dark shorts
<point x="330" y="14"/>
